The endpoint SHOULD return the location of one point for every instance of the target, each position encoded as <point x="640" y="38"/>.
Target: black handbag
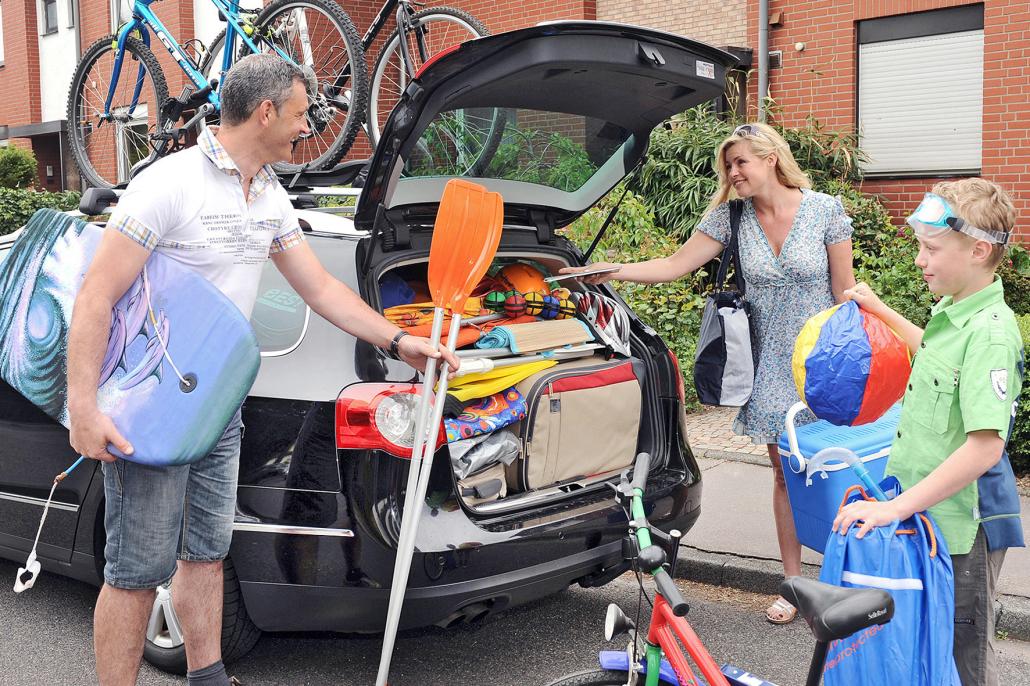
<point x="724" y="368"/>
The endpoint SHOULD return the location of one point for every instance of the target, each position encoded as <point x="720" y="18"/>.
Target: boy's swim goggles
<point x="934" y="217"/>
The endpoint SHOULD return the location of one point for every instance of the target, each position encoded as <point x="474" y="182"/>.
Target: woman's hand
<point x="593" y="279"/>
<point x="862" y="294"/>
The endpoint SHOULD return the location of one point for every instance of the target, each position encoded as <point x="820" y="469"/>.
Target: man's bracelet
<point x="395" y="343"/>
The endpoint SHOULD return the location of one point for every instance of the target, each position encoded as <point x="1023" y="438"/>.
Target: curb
<point x="762" y="575"/>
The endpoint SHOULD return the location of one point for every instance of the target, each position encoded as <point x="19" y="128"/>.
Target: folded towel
<point x="529" y="338"/>
<point x="488" y="415"/>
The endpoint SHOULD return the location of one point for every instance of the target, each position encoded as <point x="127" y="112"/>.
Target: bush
<point x="1015" y="273"/>
<point x="17" y="167"/>
<point x="1019" y="441"/>
<point x="16" y="206"/>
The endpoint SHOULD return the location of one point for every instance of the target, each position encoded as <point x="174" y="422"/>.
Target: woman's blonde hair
<point x="763" y="141"/>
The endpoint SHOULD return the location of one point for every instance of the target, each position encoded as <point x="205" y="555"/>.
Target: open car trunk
<point x="579" y="420"/>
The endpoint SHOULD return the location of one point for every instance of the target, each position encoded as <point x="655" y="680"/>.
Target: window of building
<point x="920" y="92"/>
<point x="1" y="34"/>
<point x="49" y="17"/>
<point x="72" y="14"/>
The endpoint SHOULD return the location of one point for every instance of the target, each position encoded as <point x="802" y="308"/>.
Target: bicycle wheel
<point x="435" y="29"/>
<point x="105" y="145"/>
<point x="319" y="34"/>
<point x="598" y="677"/>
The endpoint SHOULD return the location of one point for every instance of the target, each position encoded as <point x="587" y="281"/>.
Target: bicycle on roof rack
<point x="831" y="611"/>
<point x="119" y="122"/>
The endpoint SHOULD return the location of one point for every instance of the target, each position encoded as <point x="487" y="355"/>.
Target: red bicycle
<point x="832" y="613"/>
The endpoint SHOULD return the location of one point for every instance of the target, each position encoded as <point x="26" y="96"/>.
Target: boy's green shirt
<point x="966" y="377"/>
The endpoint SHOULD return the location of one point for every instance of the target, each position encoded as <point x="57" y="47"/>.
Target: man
<point x="219" y="209"/>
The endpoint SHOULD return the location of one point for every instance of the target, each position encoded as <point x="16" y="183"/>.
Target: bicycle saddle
<point x="833" y="612"/>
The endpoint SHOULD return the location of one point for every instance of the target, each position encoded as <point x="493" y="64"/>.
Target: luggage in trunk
<point x="582" y="420"/>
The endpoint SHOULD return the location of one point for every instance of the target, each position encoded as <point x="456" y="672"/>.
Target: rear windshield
<point x="553" y="149"/>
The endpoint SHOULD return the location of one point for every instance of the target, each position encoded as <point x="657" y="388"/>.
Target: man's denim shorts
<point x="156" y="515"/>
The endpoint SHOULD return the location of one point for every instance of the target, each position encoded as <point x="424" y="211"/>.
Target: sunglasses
<point x="745" y="130"/>
<point x="934" y="217"/>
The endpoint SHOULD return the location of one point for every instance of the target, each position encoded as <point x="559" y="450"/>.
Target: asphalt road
<point x="46" y="635"/>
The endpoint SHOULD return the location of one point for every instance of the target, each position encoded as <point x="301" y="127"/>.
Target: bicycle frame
<point x="666" y="627"/>
<point x="144" y="19"/>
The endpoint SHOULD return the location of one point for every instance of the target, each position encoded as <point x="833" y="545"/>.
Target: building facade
<point x="936" y="89"/>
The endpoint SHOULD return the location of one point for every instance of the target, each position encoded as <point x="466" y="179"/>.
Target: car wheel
<point x="164" y="647"/>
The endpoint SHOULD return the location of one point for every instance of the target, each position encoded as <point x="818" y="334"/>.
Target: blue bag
<point x="910" y="560"/>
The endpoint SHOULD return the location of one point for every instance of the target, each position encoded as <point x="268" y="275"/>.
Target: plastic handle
<point x="792" y="436"/>
<point x="850" y="458"/>
<point x="671" y="594"/>
<point x="641" y="466"/>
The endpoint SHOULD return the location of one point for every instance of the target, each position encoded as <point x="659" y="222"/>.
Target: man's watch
<point x="395" y="343"/>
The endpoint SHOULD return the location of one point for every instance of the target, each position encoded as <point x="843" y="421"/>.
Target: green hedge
<point x="1019" y="441"/>
<point x="16" y="206"/>
<point x="17" y="167"/>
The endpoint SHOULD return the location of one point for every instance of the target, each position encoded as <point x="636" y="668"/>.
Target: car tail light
<point x="379" y="416"/>
<point x="680" y="388"/>
<point x="435" y="58"/>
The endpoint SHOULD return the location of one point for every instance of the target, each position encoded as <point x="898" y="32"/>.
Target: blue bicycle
<point x="121" y="121"/>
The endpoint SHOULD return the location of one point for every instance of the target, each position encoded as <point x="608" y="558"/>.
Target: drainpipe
<point x="763" y="56"/>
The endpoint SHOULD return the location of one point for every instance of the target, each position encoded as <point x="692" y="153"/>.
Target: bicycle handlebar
<point x="641" y="466"/>
<point x="671" y="594"/>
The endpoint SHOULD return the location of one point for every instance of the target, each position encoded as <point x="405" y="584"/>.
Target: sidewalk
<point x="734" y="541"/>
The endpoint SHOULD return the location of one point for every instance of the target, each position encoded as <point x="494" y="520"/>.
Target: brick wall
<point x="19" y="77"/>
<point x="821" y="81"/>
<point x="716" y="23"/>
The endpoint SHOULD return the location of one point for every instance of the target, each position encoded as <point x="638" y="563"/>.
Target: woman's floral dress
<point x="784" y="291"/>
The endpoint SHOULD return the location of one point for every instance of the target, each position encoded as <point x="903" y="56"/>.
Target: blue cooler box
<point x="816" y="497"/>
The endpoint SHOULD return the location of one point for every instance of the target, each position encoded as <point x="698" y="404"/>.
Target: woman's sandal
<point x="781" y="612"/>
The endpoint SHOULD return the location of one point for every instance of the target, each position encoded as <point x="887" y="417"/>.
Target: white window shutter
<point x="920" y="103"/>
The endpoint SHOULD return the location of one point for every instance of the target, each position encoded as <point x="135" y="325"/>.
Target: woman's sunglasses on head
<point x="746" y="130"/>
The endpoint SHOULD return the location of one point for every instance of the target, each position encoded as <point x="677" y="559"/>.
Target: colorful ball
<point x="550" y="307"/>
<point x="514" y="305"/>
<point x="562" y="293"/>
<point x="566" y="309"/>
<point x="849" y="367"/>
<point x="534" y="304"/>
<point x="494" y="301"/>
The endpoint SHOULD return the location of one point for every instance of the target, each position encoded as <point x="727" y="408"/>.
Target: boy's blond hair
<point x="984" y="204"/>
<point x="763" y="143"/>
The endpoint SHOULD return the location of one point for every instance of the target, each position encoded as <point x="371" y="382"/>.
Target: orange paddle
<point x="465" y="238"/>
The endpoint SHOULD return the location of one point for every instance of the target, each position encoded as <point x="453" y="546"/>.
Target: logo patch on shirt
<point x="1000" y="382"/>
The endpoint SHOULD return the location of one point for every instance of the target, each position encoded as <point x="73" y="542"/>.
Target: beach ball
<point x="849" y="367"/>
<point x="550" y="308"/>
<point x="514" y="304"/>
<point x="494" y="301"/>
<point x="534" y="303"/>
<point x="566" y="309"/>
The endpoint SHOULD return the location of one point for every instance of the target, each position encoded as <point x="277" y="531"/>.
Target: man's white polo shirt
<point x="190" y="206"/>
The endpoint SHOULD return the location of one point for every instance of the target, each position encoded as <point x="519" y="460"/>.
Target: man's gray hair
<point x="254" y="79"/>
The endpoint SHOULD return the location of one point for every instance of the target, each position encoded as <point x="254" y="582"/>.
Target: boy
<point x="949" y="451"/>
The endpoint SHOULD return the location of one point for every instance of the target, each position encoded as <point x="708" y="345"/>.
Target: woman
<point x="795" y="250"/>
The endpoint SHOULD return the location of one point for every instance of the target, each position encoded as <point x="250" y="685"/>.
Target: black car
<point x="552" y="117"/>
